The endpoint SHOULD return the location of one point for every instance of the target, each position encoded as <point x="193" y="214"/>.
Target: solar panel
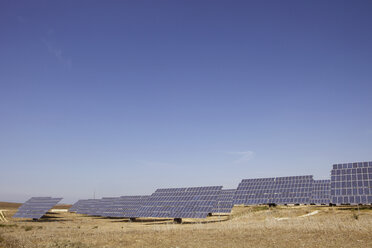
<point x="75" y="206"/>
<point x="225" y="201"/>
<point x="278" y="190"/>
<point x="321" y="192"/>
<point x="351" y="183"/>
<point x="36" y="207"/>
<point x="88" y="206"/>
<point x="195" y="202"/>
<point x="101" y="205"/>
<point x="124" y="206"/>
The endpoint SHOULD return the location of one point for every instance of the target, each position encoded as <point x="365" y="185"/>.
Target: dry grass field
<point x="246" y="227"/>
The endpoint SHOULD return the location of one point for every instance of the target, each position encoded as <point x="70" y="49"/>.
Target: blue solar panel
<point x="225" y="201"/>
<point x="321" y="192"/>
<point x="36" y="207"/>
<point x="101" y="205"/>
<point x="278" y="190"/>
<point x="75" y="206"/>
<point x="124" y="206"/>
<point x="195" y="202"/>
<point x="88" y="206"/>
<point x="351" y="183"/>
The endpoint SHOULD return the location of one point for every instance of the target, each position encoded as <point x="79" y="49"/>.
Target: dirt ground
<point x="9" y="205"/>
<point x="258" y="226"/>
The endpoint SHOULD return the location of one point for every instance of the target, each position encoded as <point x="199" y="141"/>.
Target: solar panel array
<point x="124" y="206"/>
<point x="351" y="183"/>
<point x="225" y="201"/>
<point x="36" y="207"/>
<point x="321" y="192"/>
<point x="195" y="202"/>
<point x="278" y="190"/>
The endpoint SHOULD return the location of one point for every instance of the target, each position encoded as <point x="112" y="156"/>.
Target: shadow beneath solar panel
<point x="205" y="222"/>
<point x="361" y="207"/>
<point x="91" y="216"/>
<point x="153" y="222"/>
<point x="48" y="219"/>
<point x="113" y="219"/>
<point x="117" y="220"/>
<point x="144" y="220"/>
<point x="96" y="217"/>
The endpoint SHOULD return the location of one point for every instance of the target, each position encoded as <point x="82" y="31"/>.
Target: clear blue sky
<point x="123" y="97"/>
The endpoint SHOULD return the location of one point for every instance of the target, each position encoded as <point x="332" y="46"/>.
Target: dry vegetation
<point x="246" y="227"/>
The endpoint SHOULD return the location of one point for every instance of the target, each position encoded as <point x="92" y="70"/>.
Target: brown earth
<point x="13" y="205"/>
<point x="62" y="206"/>
<point x="256" y="226"/>
<point x="9" y="205"/>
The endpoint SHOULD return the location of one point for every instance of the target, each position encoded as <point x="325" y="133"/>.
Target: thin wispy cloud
<point x="243" y="156"/>
<point x="57" y="53"/>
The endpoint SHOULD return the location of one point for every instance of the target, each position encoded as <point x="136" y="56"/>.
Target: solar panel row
<point x="351" y="183"/>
